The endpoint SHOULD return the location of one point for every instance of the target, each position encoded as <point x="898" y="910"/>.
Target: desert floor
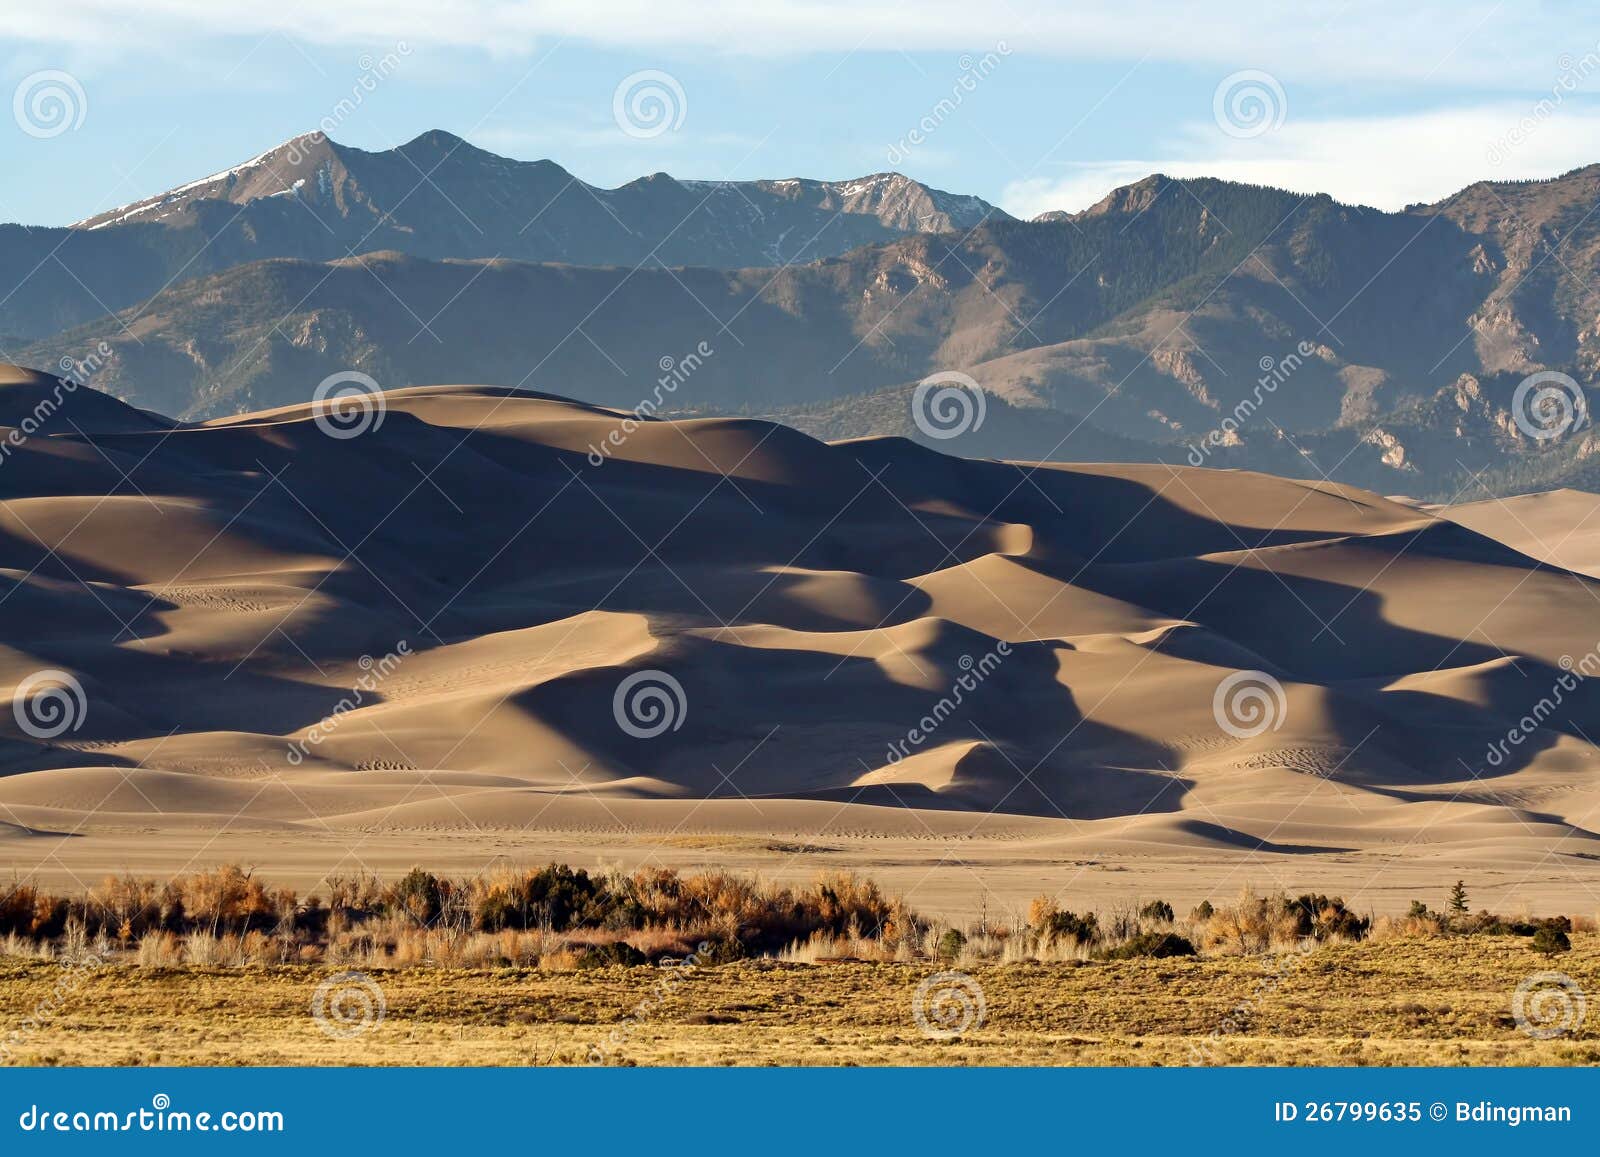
<point x="951" y="867"/>
<point x="1430" y="1001"/>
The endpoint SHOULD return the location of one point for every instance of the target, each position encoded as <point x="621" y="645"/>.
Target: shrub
<point x="1202" y="911"/>
<point x="1085" y="929"/>
<point x="227" y="898"/>
<point x="951" y="944"/>
<point x="1550" y="940"/>
<point x="1157" y="910"/>
<point x="556" y="897"/>
<point x="418" y="896"/>
<point x="1159" y="945"/>
<point x="1324" y="917"/>
<point x="1041" y="910"/>
<point x="618" y="952"/>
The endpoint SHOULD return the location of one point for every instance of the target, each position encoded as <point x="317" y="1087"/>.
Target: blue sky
<point x="1057" y="103"/>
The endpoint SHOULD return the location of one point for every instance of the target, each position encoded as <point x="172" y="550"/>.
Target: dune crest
<point x="459" y="620"/>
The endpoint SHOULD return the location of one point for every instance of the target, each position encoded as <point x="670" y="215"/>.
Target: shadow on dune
<point x="439" y="533"/>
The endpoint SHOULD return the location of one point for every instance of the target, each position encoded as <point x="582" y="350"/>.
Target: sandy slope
<point x="973" y="678"/>
<point x="1560" y="527"/>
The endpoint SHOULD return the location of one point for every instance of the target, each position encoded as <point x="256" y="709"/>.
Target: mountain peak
<point x="1134" y="198"/>
<point x="280" y="171"/>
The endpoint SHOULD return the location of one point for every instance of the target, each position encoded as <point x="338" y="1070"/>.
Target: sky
<point x="1032" y="106"/>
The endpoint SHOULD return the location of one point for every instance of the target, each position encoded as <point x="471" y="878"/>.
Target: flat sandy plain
<point x="215" y="592"/>
<point x="1432" y="1001"/>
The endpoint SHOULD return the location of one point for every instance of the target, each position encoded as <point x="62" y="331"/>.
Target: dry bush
<point x="205" y="950"/>
<point x="561" y="960"/>
<point x="1399" y="927"/>
<point x="360" y="893"/>
<point x="1251" y="925"/>
<point x="159" y="950"/>
<point x="26" y="946"/>
<point x="227" y="898"/>
<point x="131" y="906"/>
<point x="1041" y="911"/>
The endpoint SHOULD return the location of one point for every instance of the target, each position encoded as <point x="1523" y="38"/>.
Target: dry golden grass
<point x="1402" y="1000"/>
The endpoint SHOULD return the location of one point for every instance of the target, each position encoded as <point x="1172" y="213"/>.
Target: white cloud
<point x="1431" y="42"/>
<point x="1386" y="162"/>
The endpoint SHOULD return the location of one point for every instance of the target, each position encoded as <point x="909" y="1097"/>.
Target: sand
<point x="976" y="680"/>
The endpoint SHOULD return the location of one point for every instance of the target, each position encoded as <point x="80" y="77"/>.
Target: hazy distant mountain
<point x="1202" y="321"/>
<point x="437" y="196"/>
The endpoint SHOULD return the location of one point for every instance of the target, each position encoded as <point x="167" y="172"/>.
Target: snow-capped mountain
<point x="439" y="197"/>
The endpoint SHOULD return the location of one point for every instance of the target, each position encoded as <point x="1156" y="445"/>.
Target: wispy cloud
<point x="1430" y="43"/>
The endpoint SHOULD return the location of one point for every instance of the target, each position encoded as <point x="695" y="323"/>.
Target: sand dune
<point x="499" y="623"/>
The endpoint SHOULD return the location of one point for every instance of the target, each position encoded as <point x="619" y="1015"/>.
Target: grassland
<point x="1427" y="1000"/>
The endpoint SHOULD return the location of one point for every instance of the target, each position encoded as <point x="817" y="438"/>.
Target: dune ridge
<point x="459" y="621"/>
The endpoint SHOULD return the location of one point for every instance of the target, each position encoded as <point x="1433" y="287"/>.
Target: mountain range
<point x="1199" y="321"/>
